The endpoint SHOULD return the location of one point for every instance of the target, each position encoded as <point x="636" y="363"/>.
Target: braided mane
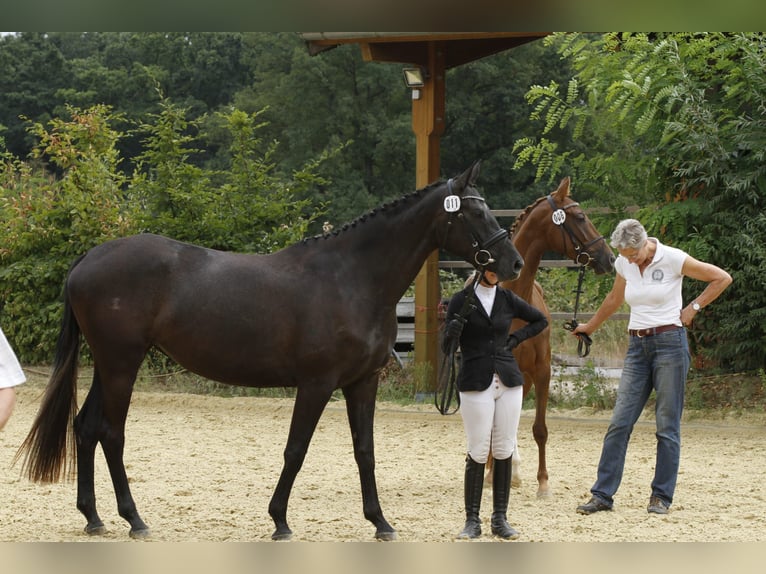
<point x="386" y="207"/>
<point x="520" y="218"/>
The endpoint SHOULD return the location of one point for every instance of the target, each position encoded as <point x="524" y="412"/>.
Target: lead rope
<point x="446" y="389"/>
<point x="583" y="340"/>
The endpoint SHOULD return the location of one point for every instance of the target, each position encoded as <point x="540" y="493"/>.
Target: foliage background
<point x="243" y="141"/>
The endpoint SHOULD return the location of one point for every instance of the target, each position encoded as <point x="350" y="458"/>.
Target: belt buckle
<point x="639" y="333"/>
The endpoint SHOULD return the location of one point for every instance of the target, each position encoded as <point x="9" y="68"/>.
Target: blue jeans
<point x="660" y="362"/>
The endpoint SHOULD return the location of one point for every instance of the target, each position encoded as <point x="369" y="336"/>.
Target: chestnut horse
<point x="319" y="315"/>
<point x="554" y="223"/>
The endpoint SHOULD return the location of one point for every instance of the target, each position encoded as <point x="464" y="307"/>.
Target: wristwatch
<point x="696" y="306"/>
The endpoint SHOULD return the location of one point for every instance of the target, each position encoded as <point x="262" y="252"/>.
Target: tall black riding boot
<point x="473" y="487"/>
<point x="501" y="489"/>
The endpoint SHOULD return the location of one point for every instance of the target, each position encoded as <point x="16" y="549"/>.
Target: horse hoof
<point x="282" y="535"/>
<point x="544" y="493"/>
<point x="95" y="529"/>
<point x="387" y="536"/>
<point x="140" y="534"/>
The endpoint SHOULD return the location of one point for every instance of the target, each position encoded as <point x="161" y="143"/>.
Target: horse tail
<point x="51" y="438"/>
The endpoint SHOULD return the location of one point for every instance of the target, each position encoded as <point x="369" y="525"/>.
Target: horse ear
<point x="475" y="169"/>
<point x="563" y="190"/>
<point x="469" y="176"/>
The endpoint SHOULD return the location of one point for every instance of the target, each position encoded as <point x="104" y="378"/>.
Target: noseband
<point x="482" y="257"/>
<point x="582" y="257"/>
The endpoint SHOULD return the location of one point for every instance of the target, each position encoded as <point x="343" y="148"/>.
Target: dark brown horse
<point x="554" y="223"/>
<point x="319" y="315"/>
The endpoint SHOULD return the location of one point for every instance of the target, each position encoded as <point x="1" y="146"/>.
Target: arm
<point x="717" y="281"/>
<point x="609" y="305"/>
<point x="7" y="401"/>
<point x="536" y="321"/>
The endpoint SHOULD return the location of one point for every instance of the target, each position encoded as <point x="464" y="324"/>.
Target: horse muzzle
<point x="504" y="260"/>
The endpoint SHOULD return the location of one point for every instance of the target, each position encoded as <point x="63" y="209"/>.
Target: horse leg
<point x="86" y="433"/>
<point x="116" y="390"/>
<point x="360" y="408"/>
<point x="540" y="429"/>
<point x="310" y="402"/>
<point x="488" y="466"/>
<point x="516" y="467"/>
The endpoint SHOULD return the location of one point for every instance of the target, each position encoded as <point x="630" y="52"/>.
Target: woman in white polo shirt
<point x="11" y="375"/>
<point x="649" y="276"/>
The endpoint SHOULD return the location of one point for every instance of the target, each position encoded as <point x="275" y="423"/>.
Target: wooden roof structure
<point x="413" y="47"/>
<point x="434" y="53"/>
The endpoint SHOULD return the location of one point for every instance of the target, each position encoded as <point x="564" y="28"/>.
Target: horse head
<point x="472" y="231"/>
<point x="579" y="238"/>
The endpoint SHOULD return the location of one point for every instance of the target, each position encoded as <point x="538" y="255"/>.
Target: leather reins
<point x="446" y="389"/>
<point x="582" y="259"/>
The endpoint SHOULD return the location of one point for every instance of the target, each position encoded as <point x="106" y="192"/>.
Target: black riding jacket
<point x="483" y="339"/>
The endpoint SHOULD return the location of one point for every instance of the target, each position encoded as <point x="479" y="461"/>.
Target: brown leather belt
<point x="652" y="331"/>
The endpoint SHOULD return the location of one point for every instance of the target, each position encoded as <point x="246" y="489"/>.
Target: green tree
<point x="32" y="70"/>
<point x="50" y="221"/>
<point x="486" y="114"/>
<point x="674" y="123"/>
<point x="245" y="206"/>
<point x="334" y="101"/>
<point x="52" y="216"/>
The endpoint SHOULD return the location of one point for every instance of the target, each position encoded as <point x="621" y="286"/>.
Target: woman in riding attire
<point x="491" y="389"/>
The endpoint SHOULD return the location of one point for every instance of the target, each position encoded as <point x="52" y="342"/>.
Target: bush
<point x="73" y="197"/>
<point x="587" y="387"/>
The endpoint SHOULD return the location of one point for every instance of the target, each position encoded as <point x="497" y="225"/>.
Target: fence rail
<point x="405" y="315"/>
<point x="405" y="309"/>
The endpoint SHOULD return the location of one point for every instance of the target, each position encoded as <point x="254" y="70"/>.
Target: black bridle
<point x="583" y="259"/>
<point x="482" y="256"/>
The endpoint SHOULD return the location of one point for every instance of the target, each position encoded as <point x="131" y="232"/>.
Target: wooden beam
<point x="428" y="125"/>
<point x="456" y="51"/>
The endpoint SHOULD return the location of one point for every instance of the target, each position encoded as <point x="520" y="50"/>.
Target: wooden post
<point x="428" y="125"/>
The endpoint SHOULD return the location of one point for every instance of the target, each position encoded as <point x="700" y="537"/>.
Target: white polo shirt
<point x="11" y="373"/>
<point x="654" y="297"/>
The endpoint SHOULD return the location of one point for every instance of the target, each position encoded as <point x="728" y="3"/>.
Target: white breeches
<point x="491" y="420"/>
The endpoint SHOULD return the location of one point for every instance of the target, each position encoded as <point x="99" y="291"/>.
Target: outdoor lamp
<point x="414" y="78"/>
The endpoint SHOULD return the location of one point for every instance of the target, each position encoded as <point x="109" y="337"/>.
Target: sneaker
<point x="657" y="506"/>
<point x="593" y="505"/>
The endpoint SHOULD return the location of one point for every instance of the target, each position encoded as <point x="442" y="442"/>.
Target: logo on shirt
<point x="657" y="275"/>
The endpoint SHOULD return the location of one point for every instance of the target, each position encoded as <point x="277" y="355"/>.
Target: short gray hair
<point x="629" y="234"/>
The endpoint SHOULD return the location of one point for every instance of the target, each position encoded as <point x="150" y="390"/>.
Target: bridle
<point x="583" y="259"/>
<point x="453" y="204"/>
<point x="582" y="256"/>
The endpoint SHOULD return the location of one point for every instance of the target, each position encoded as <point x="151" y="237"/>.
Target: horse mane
<point x="520" y="218"/>
<point x="390" y="206"/>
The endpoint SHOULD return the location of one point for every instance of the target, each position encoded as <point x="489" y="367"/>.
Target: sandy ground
<point x="203" y="469"/>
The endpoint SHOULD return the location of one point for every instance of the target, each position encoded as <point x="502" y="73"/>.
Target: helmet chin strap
<point x="484" y="280"/>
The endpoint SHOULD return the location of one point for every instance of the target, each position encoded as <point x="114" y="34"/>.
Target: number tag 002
<point x="559" y="216"/>
<point x="452" y="203"/>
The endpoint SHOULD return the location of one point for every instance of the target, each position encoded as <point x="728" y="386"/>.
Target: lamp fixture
<point x="414" y="77"/>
